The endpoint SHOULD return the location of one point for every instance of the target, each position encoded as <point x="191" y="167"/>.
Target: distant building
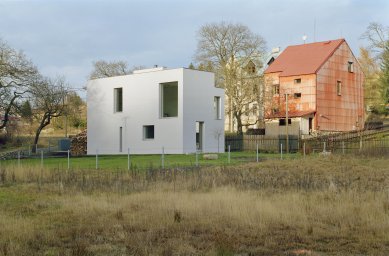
<point x="324" y="85"/>
<point x="179" y="110"/>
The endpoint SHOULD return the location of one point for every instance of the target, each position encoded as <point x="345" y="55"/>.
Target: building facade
<point x="321" y="85"/>
<point x="153" y="110"/>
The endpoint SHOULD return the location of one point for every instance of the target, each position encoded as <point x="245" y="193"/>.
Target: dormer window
<point x="350" y="67"/>
<point x="297" y="81"/>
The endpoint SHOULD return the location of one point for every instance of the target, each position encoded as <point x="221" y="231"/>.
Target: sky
<point x="64" y="37"/>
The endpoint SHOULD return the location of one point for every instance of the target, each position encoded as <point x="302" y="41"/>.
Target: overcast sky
<point x="63" y="37"/>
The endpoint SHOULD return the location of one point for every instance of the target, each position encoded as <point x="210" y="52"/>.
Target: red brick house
<point x="324" y="85"/>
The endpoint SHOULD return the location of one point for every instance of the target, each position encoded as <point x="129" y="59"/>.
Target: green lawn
<point x="141" y="161"/>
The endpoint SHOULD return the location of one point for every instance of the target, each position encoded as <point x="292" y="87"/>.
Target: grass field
<point x="305" y="206"/>
<point x="141" y="161"/>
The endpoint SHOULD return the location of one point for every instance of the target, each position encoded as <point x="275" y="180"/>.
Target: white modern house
<point x="175" y="110"/>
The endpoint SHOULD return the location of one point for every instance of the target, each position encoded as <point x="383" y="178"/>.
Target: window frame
<point x="217" y="107"/>
<point x="350" y="67"/>
<point x="282" y="121"/>
<point x="297" y="81"/>
<point x="339" y="88"/>
<point x="276" y="89"/>
<point x="118" y="101"/>
<point x="162" y="100"/>
<point x="145" y="132"/>
<point x="297" y="95"/>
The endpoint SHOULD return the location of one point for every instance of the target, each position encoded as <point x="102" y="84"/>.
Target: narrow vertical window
<point x="276" y="89"/>
<point x="118" y="99"/>
<point x="217" y="107"/>
<point x="255" y="109"/>
<point x="339" y="88"/>
<point x="350" y="67"/>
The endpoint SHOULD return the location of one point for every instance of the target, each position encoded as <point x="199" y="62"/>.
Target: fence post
<point x="343" y="147"/>
<point x="29" y="150"/>
<point x="163" y="158"/>
<point x="42" y="159"/>
<point x="197" y="158"/>
<point x="128" y="159"/>
<point x="281" y="150"/>
<point x="97" y="159"/>
<point x="304" y="149"/>
<point x="360" y="144"/>
<point x="257" y="153"/>
<point x="18" y="159"/>
<point x="68" y="159"/>
<point x="229" y="153"/>
<point x="324" y="146"/>
<point x="49" y="145"/>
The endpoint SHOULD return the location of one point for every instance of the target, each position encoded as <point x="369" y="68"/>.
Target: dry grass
<point x="313" y="206"/>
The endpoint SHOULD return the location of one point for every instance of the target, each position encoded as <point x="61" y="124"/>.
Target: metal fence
<point x="338" y="144"/>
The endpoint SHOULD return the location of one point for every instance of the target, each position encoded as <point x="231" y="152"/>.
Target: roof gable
<point x="303" y="59"/>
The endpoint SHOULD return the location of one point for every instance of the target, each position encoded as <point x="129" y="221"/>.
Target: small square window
<point x="297" y="95"/>
<point x="350" y="67"/>
<point x="148" y="132"/>
<point x="297" y="81"/>
<point x="339" y="88"/>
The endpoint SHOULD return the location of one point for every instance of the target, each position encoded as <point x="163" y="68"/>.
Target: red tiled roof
<point x="290" y="114"/>
<point x="303" y="59"/>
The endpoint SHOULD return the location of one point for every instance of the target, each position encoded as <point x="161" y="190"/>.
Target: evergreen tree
<point x="26" y="111"/>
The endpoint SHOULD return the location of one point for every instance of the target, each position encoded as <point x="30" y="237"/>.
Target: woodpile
<point x="78" y="144"/>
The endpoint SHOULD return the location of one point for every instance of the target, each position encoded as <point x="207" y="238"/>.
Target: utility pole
<point x="287" y="123"/>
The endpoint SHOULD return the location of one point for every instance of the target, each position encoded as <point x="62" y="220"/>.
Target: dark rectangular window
<point x="148" y="132"/>
<point x="297" y="81"/>
<point x="118" y="99"/>
<point x="297" y="95"/>
<point x="282" y="121"/>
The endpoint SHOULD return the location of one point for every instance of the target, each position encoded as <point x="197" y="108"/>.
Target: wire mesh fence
<point x="238" y="149"/>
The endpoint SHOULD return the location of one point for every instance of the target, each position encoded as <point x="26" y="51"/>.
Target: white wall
<point x="199" y="93"/>
<point x="141" y="106"/>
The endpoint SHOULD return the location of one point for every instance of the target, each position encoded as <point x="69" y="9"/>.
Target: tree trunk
<point x="238" y="116"/>
<point x="6" y="113"/>
<point x="44" y="122"/>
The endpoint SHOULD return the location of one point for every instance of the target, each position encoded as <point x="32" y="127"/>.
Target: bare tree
<point x="103" y="69"/>
<point x="378" y="37"/>
<point x="16" y="75"/>
<point x="49" y="102"/>
<point x="228" y="48"/>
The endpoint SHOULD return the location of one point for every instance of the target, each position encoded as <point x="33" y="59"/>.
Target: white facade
<point x="154" y="109"/>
